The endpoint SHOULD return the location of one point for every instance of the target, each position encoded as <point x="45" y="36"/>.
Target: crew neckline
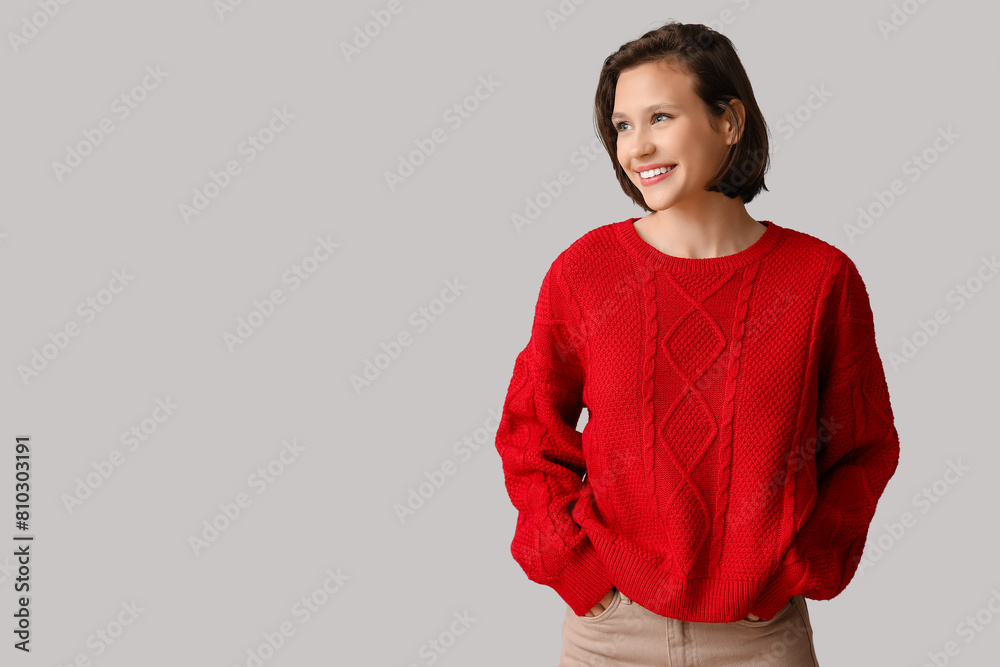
<point x="636" y="245"/>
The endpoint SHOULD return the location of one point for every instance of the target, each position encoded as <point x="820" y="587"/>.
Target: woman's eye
<point x="620" y="128"/>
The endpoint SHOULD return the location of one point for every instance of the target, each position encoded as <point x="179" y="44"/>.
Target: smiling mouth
<point x="655" y="172"/>
<point x="656" y="175"/>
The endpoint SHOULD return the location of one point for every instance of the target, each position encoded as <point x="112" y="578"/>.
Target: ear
<point x="731" y="131"/>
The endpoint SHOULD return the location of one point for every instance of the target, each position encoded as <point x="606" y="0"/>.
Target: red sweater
<point x="739" y="430"/>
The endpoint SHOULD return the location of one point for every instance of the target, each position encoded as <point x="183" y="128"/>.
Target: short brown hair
<point x="717" y="76"/>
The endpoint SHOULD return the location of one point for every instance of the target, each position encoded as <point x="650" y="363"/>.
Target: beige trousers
<point x="626" y="634"/>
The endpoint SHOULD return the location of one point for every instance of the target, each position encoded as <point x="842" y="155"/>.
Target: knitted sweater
<point x="739" y="430"/>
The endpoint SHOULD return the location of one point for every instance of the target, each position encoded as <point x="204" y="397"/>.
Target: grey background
<point x="323" y="176"/>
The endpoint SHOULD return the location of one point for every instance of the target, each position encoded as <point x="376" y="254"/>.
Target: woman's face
<point x="660" y="120"/>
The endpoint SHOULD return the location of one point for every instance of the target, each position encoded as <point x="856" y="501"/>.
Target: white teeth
<point x="654" y="172"/>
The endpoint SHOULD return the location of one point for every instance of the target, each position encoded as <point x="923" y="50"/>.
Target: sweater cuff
<point x="782" y="586"/>
<point x="584" y="581"/>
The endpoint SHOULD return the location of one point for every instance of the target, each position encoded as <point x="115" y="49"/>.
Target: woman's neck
<point x="712" y="236"/>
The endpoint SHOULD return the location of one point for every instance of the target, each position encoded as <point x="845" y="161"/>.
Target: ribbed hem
<point x="648" y="255"/>
<point x="703" y="600"/>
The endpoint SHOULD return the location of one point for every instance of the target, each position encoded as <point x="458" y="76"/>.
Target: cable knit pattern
<point x="725" y="464"/>
<point x="649" y="290"/>
<point x="739" y="431"/>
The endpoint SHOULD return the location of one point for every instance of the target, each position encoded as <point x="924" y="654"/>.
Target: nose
<point x="640" y="146"/>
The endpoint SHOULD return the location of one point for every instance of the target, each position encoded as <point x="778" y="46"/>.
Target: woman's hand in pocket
<point x="603" y="604"/>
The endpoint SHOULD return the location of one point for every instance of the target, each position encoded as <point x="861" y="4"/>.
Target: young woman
<point x="740" y="432"/>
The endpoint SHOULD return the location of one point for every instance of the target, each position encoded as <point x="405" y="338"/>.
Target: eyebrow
<point x="665" y="105"/>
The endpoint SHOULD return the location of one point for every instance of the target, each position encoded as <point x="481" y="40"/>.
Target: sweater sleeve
<point x="857" y="446"/>
<point x="542" y="452"/>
